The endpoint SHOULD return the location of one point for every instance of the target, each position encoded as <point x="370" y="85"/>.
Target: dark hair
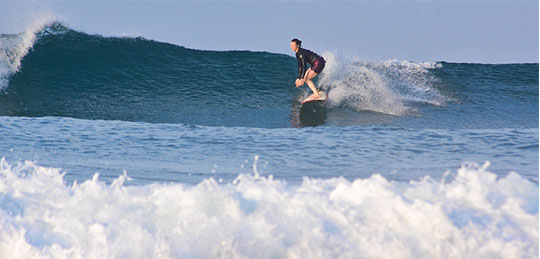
<point x="297" y="41"/>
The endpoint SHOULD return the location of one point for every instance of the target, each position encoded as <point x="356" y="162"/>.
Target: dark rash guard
<point x="304" y="56"/>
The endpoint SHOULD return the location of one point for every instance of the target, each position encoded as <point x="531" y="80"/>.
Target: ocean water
<point x="119" y="147"/>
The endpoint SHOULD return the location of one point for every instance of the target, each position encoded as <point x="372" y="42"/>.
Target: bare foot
<point x="310" y="98"/>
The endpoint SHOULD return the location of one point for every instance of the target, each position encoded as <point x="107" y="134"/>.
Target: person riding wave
<point x="316" y="62"/>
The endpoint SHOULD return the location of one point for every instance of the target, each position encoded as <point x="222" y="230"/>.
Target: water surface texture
<point x="209" y="154"/>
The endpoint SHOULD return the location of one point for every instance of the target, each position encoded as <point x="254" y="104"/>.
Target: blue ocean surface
<point x="180" y="146"/>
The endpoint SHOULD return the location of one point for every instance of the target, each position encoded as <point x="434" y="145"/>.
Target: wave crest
<point x="13" y="47"/>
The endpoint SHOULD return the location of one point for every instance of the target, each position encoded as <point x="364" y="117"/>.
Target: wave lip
<point x="473" y="215"/>
<point x="13" y="47"/>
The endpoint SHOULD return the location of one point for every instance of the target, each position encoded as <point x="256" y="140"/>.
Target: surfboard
<point x="324" y="98"/>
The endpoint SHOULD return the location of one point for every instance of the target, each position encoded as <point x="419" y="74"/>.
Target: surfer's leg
<point x="310" y="75"/>
<point x="313" y="71"/>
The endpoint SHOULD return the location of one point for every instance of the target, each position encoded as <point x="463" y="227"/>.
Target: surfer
<point x="304" y="57"/>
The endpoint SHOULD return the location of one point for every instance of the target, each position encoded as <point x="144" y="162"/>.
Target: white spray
<point x="13" y="47"/>
<point x="386" y="87"/>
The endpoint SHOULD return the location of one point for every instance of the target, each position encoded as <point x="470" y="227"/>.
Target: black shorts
<point x="318" y="65"/>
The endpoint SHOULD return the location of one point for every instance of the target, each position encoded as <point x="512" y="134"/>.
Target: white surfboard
<point x="310" y="98"/>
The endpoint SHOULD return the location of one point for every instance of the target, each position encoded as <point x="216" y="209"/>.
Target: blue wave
<point x="69" y="73"/>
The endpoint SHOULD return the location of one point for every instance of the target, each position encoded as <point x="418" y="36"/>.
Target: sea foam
<point x="388" y="87"/>
<point x="469" y="214"/>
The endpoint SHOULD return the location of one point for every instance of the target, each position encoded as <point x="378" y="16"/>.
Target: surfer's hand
<point x="299" y="82"/>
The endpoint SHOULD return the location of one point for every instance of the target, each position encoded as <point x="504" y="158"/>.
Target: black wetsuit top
<point x="304" y="56"/>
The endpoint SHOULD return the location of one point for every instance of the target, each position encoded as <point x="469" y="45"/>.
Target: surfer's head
<point x="295" y="44"/>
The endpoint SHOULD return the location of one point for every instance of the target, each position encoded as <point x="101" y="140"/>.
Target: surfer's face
<point x="294" y="46"/>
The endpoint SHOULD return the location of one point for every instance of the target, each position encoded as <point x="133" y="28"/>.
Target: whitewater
<point x="112" y="149"/>
<point x="475" y="215"/>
